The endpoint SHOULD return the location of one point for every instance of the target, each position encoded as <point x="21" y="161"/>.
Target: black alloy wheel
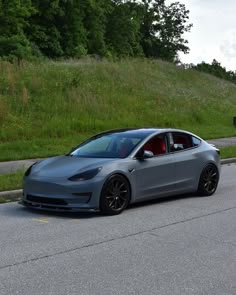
<point x="209" y="180"/>
<point x="115" y="195"/>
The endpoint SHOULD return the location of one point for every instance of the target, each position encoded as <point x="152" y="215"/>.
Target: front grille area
<point x="44" y="200"/>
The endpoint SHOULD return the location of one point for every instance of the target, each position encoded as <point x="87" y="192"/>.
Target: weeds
<point x="47" y="107"/>
<point x="11" y="181"/>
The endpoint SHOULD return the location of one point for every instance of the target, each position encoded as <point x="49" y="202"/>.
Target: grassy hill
<point x="48" y="107"/>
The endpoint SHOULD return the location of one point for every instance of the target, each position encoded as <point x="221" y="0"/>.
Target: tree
<point x="72" y="30"/>
<point x="43" y="32"/>
<point x="216" y="69"/>
<point x="95" y="24"/>
<point x="14" y="19"/>
<point x="123" y="29"/>
<point x="162" y="29"/>
<point x="15" y="47"/>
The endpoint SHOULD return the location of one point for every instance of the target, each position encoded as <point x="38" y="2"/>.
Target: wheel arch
<point x="123" y="175"/>
<point x="209" y="163"/>
<point x="205" y="165"/>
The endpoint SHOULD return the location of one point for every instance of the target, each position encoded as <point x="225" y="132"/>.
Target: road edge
<point x="10" y="196"/>
<point x="228" y="161"/>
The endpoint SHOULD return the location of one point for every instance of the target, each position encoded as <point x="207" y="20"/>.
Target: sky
<point x="213" y="35"/>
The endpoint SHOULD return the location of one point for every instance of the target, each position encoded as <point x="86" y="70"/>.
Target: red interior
<point x="156" y="145"/>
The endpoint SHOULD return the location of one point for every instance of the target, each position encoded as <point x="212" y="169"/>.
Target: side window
<point x="181" y="141"/>
<point x="156" y="145"/>
<point x="196" y="141"/>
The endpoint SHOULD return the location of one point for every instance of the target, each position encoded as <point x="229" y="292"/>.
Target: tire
<point x="208" y="180"/>
<point x="115" y="195"/>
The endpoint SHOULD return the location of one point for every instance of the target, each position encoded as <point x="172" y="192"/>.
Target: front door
<point x="155" y="176"/>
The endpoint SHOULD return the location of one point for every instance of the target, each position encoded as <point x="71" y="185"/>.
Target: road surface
<point x="184" y="245"/>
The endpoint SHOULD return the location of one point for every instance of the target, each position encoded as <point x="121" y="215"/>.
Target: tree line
<point x="215" y="69"/>
<point x="107" y="28"/>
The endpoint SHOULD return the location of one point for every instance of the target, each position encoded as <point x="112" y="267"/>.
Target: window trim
<point x="171" y="141"/>
<point x="165" y="136"/>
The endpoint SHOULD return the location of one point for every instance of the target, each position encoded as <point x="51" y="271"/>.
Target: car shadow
<point x="20" y="211"/>
<point x="65" y="215"/>
<point x="165" y="199"/>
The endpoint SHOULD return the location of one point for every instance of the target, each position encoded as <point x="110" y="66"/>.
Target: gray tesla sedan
<point x="118" y="167"/>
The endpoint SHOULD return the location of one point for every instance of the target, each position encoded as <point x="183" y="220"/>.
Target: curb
<point x="17" y="193"/>
<point x="228" y="161"/>
<point x="11" y="195"/>
<point x="14" y="166"/>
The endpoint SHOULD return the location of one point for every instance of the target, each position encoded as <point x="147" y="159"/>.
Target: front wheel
<point x="208" y="180"/>
<point x="115" y="195"/>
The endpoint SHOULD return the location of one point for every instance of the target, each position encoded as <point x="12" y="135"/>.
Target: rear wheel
<point x="115" y="195"/>
<point x="208" y="180"/>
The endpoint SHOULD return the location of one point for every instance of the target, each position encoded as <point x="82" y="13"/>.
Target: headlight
<point x="85" y="175"/>
<point x="27" y="172"/>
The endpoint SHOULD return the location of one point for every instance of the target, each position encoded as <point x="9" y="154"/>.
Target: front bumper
<point x="61" y="195"/>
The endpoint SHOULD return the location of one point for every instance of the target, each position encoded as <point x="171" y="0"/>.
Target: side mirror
<point x="144" y="154"/>
<point x="147" y="154"/>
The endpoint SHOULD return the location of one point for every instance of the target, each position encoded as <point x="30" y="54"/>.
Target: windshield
<point x="115" y="145"/>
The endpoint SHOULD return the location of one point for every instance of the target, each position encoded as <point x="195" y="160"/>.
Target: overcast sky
<point x="213" y="34"/>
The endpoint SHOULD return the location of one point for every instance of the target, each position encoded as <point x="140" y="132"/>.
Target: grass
<point x="228" y="152"/>
<point x="11" y="181"/>
<point x="47" y="108"/>
<point x="8" y="200"/>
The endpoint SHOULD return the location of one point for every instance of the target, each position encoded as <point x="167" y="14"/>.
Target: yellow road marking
<point x="43" y="220"/>
<point x="76" y="220"/>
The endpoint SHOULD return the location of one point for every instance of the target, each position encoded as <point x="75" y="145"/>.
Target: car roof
<point x="145" y="131"/>
<point x="131" y="131"/>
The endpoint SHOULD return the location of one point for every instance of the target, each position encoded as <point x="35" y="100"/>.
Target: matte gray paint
<point x="167" y="174"/>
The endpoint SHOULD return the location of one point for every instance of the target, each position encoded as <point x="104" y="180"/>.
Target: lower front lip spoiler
<point x="55" y="208"/>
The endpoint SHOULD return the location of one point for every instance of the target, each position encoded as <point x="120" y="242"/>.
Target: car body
<point x="118" y="167"/>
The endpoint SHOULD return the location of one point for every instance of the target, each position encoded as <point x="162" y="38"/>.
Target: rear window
<point x="182" y="141"/>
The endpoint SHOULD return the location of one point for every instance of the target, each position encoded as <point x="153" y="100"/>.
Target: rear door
<point x="185" y="149"/>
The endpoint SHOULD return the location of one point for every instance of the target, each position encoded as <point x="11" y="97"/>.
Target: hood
<point x="66" y="166"/>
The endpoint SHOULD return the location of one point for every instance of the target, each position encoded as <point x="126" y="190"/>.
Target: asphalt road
<point x="185" y="245"/>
